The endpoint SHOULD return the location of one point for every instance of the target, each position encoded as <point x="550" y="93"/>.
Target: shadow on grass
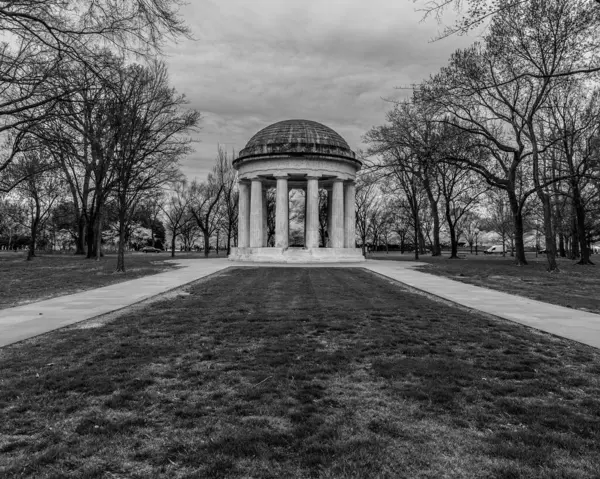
<point x="292" y="372"/>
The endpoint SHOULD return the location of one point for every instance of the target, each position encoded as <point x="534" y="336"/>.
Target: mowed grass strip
<point x="50" y="275"/>
<point x="575" y="286"/>
<point x="298" y="372"/>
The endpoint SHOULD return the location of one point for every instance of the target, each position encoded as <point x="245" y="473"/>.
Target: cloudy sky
<point x="333" y="61"/>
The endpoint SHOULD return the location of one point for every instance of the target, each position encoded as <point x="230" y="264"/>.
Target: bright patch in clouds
<point x="331" y="61"/>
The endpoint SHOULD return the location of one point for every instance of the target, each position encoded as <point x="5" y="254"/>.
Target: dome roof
<point x="297" y="137"/>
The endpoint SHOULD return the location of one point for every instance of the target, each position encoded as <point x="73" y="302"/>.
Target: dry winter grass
<point x="50" y="275"/>
<point x="575" y="286"/>
<point x="293" y="372"/>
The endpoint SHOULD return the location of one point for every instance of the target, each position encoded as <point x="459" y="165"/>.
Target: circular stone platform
<point x="300" y="154"/>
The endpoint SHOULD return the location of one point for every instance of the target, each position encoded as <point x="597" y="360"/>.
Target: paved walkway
<point x="568" y="323"/>
<point x="30" y="320"/>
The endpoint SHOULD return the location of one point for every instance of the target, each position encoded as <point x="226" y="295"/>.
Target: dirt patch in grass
<point x="298" y="372"/>
<point x="575" y="286"/>
<point x="50" y="275"/>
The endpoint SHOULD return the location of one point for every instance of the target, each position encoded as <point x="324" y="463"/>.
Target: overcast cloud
<point x="332" y="61"/>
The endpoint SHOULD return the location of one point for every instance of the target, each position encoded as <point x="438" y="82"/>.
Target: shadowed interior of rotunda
<point x="297" y="155"/>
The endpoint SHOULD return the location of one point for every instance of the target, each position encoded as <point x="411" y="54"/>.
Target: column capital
<point x="313" y="177"/>
<point x="282" y="177"/>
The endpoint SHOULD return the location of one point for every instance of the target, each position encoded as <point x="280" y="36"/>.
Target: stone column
<point x="329" y="212"/>
<point x="244" y="215"/>
<point x="312" y="212"/>
<point x="281" y="213"/>
<point x="264" y="212"/>
<point x="256" y="214"/>
<point x="337" y="214"/>
<point x="305" y="203"/>
<point x="349" y="215"/>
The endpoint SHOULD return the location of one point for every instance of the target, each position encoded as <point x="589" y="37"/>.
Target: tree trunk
<point x="436" y="249"/>
<point x="229" y="239"/>
<point x="80" y="239"/>
<point x="98" y="236"/>
<point x="574" y="240"/>
<point x="33" y="239"/>
<point x="417" y="231"/>
<point x="421" y="240"/>
<point x="90" y="239"/>
<point x="558" y="223"/>
<point x="517" y="215"/>
<point x="453" y="242"/>
<point x="548" y="233"/>
<point x="35" y="223"/>
<point x="206" y="245"/>
<point x="546" y="204"/>
<point x="173" y="244"/>
<point x="581" y="233"/>
<point x="121" y="250"/>
<point x="452" y="230"/>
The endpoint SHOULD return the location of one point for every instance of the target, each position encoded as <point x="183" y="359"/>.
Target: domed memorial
<point x="297" y="154"/>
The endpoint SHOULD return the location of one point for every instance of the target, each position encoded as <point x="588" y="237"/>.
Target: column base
<point x="297" y="255"/>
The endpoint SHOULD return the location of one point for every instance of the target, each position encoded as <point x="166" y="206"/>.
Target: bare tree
<point x="470" y="226"/>
<point x="461" y="191"/>
<point x="413" y="126"/>
<point x="582" y="18"/>
<point x="44" y="36"/>
<point x="204" y="201"/>
<point x="151" y="127"/>
<point x="39" y="192"/>
<point x="175" y="210"/>
<point x="71" y="27"/>
<point x="575" y="116"/>
<point x="499" y="218"/>
<point x="189" y="231"/>
<point x="365" y="202"/>
<point x="230" y="196"/>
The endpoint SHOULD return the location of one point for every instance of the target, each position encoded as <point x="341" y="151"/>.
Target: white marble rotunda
<point x="305" y="155"/>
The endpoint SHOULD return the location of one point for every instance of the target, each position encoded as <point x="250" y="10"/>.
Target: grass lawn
<point x="297" y="373"/>
<point x="50" y="275"/>
<point x="575" y="286"/>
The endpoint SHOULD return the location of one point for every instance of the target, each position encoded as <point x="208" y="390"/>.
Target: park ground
<point x="299" y="372"/>
<point x="50" y="275"/>
<point x="575" y="286"/>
